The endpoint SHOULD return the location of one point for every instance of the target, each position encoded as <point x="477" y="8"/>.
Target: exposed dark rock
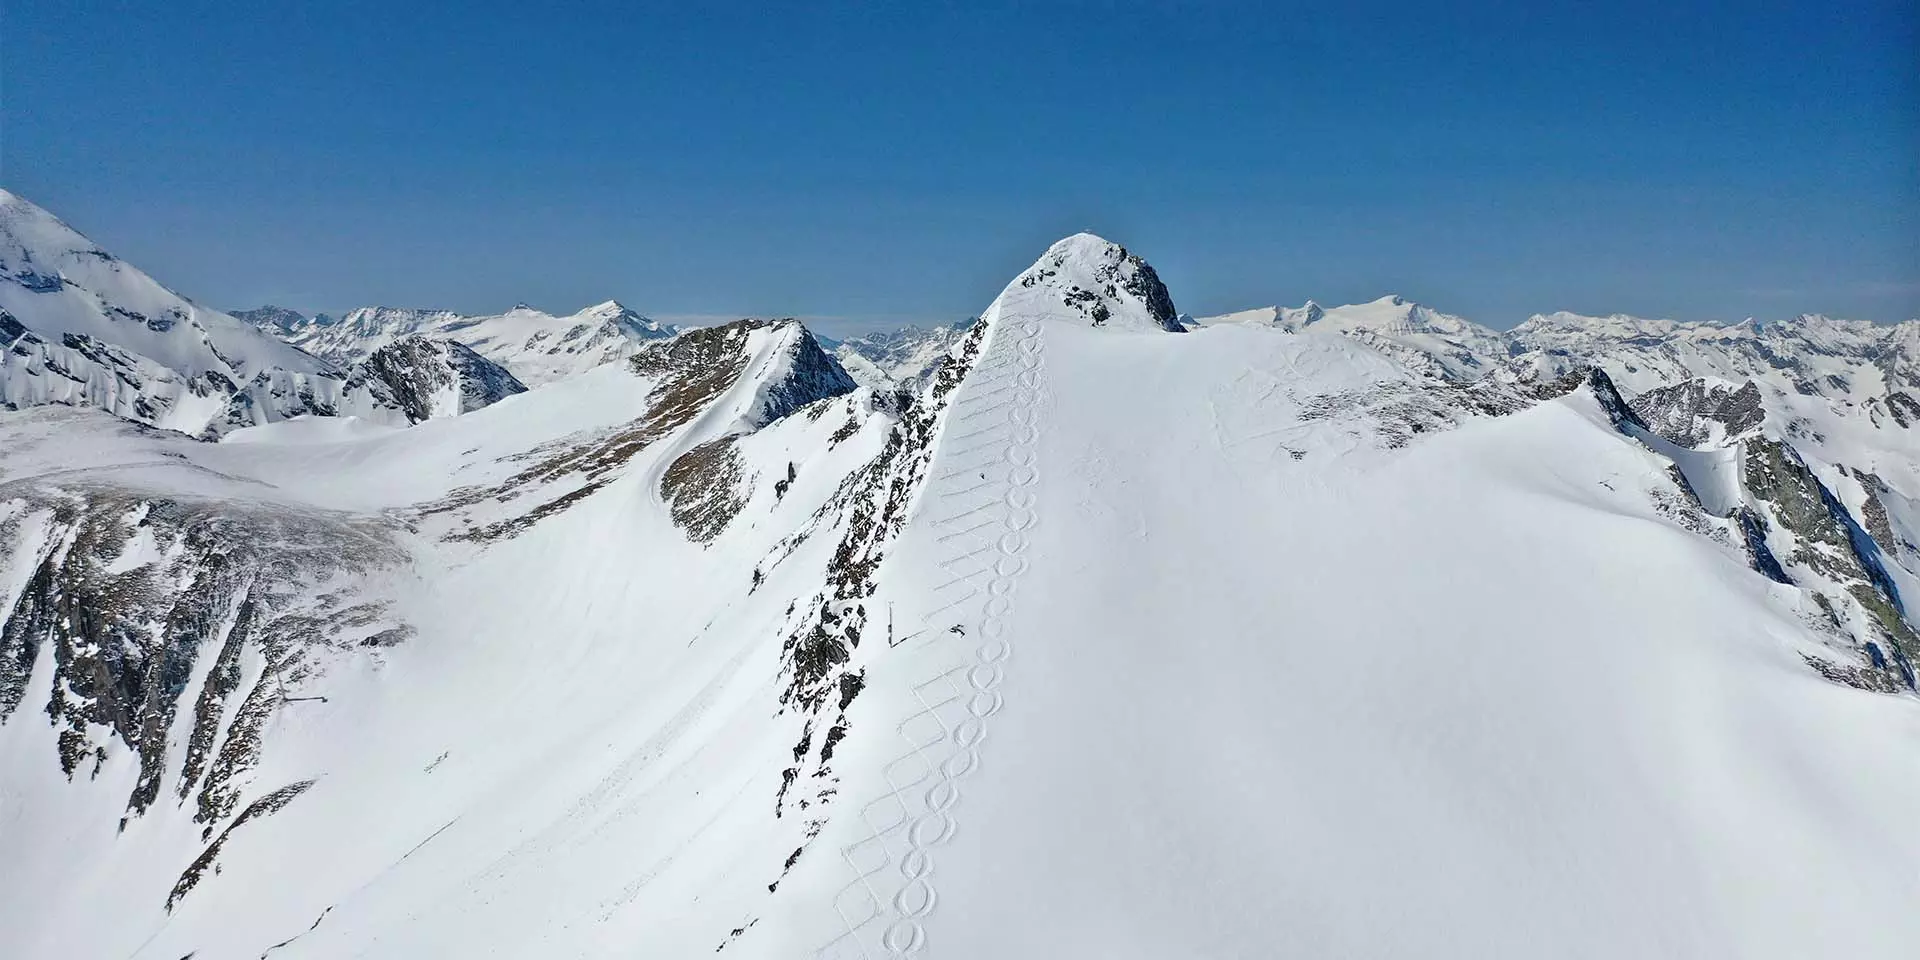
<point x="410" y="372"/>
<point x="704" y="489"/>
<point x="1831" y="543"/>
<point x="1685" y="413"/>
<point x="1760" y="557"/>
<point x="693" y="370"/>
<point x="213" y="577"/>
<point x="812" y="375"/>
<point x="1616" y="407"/>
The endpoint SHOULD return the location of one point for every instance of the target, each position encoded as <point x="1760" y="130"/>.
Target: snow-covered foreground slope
<point x="1483" y="686"/>
<point x="1109" y="641"/>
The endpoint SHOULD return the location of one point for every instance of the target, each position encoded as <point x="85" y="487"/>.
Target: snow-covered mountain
<point x="1100" y="639"/>
<point x="282" y="321"/>
<point x="1412" y="333"/>
<point x="1798" y="430"/>
<point x="887" y="358"/>
<point x="538" y="347"/>
<point x="80" y="327"/>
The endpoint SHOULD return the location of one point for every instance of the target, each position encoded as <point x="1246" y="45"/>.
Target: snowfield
<point x="1100" y="637"/>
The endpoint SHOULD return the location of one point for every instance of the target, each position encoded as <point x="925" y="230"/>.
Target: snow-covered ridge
<point x="538" y="347"/>
<point x="1798" y="431"/>
<point x="57" y="282"/>
<point x="83" y="327"/>
<point x="79" y="327"/>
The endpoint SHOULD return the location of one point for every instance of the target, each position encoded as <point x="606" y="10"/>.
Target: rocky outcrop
<point x="1104" y="285"/>
<point x="177" y="620"/>
<point x="1618" y="411"/>
<point x="703" y="489"/>
<point x="424" y="378"/>
<point x="1830" y="554"/>
<point x="801" y="373"/>
<point x="1695" y="412"/>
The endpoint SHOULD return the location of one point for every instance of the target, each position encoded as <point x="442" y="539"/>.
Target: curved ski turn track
<point x="979" y="506"/>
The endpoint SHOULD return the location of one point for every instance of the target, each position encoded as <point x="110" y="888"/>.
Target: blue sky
<point x="905" y="160"/>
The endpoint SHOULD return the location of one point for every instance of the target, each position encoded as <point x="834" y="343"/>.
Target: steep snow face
<point x="57" y="282"/>
<point x="253" y="609"/>
<point x="1101" y="283"/>
<point x="81" y="328"/>
<point x="78" y="370"/>
<point x="1796" y="431"/>
<point x="537" y="347"/>
<point x="702" y="654"/>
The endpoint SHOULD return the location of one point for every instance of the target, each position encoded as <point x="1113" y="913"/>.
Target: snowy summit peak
<point x="609" y="309"/>
<point x="1093" y="280"/>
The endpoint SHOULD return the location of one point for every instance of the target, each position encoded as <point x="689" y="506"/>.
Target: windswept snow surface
<point x="1114" y="641"/>
<point x="1475" y="698"/>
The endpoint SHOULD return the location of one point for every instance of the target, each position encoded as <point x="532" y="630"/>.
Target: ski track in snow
<point x="983" y="528"/>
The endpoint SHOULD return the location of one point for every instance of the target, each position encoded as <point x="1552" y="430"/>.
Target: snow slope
<point x="1107" y="640"/>
<point x="1800" y="430"/>
<point x="1254" y="702"/>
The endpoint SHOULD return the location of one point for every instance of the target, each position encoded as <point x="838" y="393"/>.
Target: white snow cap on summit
<point x="1094" y="281"/>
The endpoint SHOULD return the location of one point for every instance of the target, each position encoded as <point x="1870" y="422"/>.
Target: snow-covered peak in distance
<point x="80" y="327"/>
<point x="1410" y="332"/>
<point x="1100" y="282"/>
<point x="1848" y="361"/>
<point x="890" y="358"/>
<point x="280" y="321"/>
<point x="537" y="346"/>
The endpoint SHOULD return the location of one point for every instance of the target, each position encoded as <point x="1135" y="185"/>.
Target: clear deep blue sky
<point x="905" y="160"/>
